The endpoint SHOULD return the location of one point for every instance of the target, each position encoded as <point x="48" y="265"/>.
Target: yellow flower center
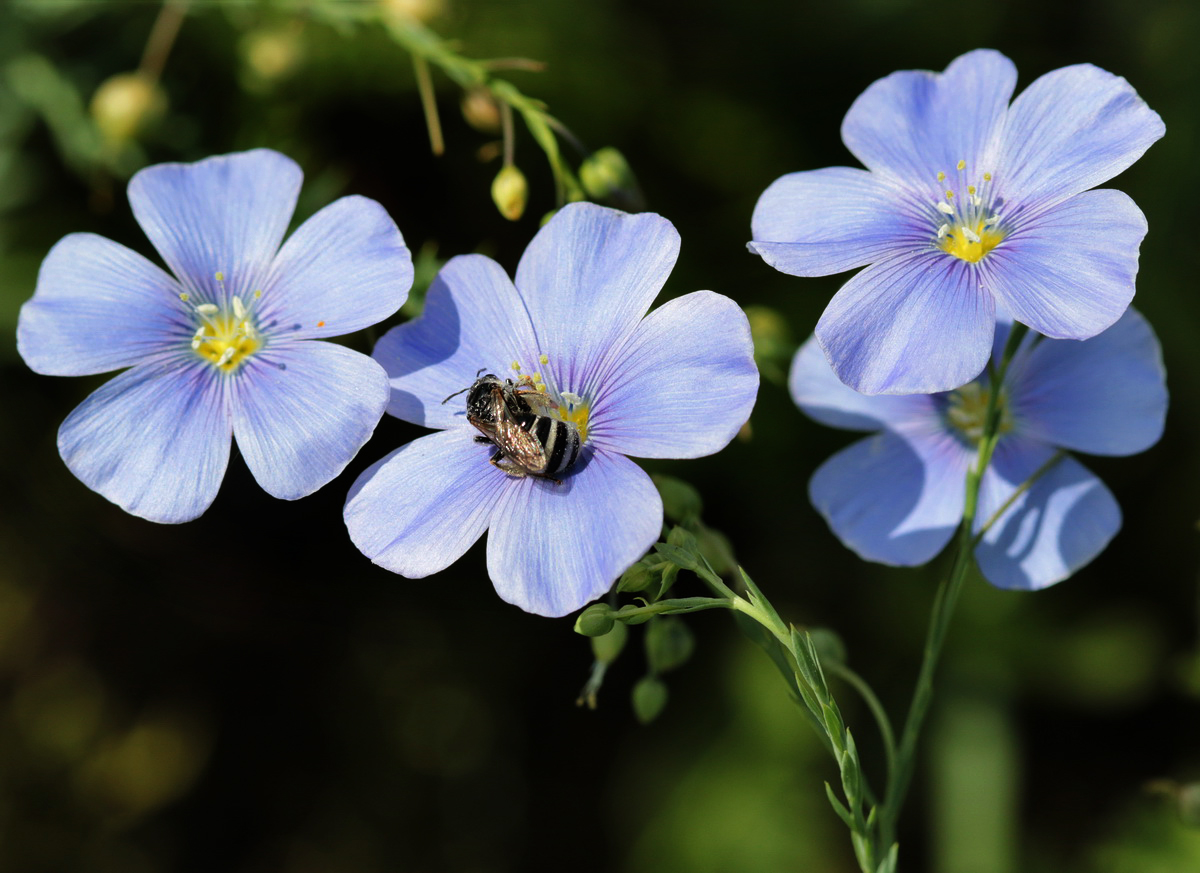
<point x="225" y="337"/>
<point x="966" y="411"/>
<point x="969" y="226"/>
<point x="563" y="405"/>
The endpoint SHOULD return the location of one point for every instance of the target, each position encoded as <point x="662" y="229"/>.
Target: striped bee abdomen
<point x="559" y="439"/>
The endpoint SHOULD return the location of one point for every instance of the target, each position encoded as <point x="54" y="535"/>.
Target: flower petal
<point x="301" y="412"/>
<point x="913" y="124"/>
<point x="473" y="318"/>
<point x="419" y="509"/>
<point x="98" y="307"/>
<point x="552" y="548"/>
<point x="1065" y="519"/>
<point x="344" y="269"/>
<point x="586" y="280"/>
<point x="683" y="383"/>
<point x="223" y="214"/>
<point x="1071" y="130"/>
<point x="827" y="221"/>
<point x="1070" y="272"/>
<point x="823" y="397"/>
<point x="915" y="324"/>
<point x="1105" y="396"/>
<point x="154" y="440"/>
<point x="892" y="500"/>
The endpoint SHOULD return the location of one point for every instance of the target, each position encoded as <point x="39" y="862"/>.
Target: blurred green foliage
<point x="247" y="693"/>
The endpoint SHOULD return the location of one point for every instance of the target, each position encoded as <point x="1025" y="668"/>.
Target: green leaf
<point x="838" y="807"/>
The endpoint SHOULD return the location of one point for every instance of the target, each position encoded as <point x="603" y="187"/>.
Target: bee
<point x="512" y="417"/>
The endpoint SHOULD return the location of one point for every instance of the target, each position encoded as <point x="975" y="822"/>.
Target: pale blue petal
<point x="419" y="509"/>
<point x="682" y="385"/>
<point x="1070" y="272"/>
<point x="1071" y="130"/>
<point x="827" y="221"/>
<point x="1105" y="396"/>
<point x="154" y="440"/>
<point x="98" y="307"/>
<point x="552" y="548"/>
<point x="916" y="324"/>
<point x="587" y="279"/>
<point x="913" y="124"/>
<point x="891" y="500"/>
<point x="1064" y="520"/>
<point x="473" y="319"/>
<point x="301" y="411"/>
<point x="223" y="214"/>
<point x="824" y="397"/>
<point x="344" y="269"/>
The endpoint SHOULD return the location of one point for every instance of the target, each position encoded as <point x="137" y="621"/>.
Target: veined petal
<point x="473" y="319"/>
<point x="824" y="397"/>
<point x="915" y="324"/>
<point x="586" y="280"/>
<point x="98" y="307"/>
<point x="419" y="509"/>
<point x="913" y="124"/>
<point x="225" y="214"/>
<point x="1069" y="273"/>
<point x="1105" y="396"/>
<point x="344" y="269"/>
<point x="553" y="548"/>
<point x="1065" y="519"/>
<point x="682" y="384"/>
<point x="827" y="221"/>
<point x="1071" y="130"/>
<point x="301" y="412"/>
<point x="154" y="440"/>
<point x="891" y="500"/>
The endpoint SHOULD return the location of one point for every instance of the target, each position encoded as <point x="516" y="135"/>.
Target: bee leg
<point x="504" y="465"/>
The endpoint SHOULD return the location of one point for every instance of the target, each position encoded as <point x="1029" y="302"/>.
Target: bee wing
<point x="519" y="445"/>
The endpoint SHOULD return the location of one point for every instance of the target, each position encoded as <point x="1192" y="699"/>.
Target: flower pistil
<point x="969" y="225"/>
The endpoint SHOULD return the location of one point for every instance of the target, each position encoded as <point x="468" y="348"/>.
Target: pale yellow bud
<point x="126" y="104"/>
<point x="509" y="192"/>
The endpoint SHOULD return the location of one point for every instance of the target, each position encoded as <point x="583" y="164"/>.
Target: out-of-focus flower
<point x="676" y="383"/>
<point x="225" y="346"/>
<point x="897" y="497"/>
<point x="966" y="201"/>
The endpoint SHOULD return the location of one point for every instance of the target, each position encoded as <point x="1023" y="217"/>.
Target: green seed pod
<point x="608" y="646"/>
<point x="669" y="643"/>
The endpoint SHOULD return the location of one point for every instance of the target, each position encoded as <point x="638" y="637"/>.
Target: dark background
<point x="248" y="693"/>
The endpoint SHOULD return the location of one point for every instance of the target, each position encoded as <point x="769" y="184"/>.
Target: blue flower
<point x="897" y="497"/>
<point x="966" y="201"/>
<point x="677" y="383"/>
<point x="224" y="347"/>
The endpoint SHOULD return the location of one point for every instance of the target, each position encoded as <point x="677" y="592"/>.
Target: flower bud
<point x="669" y="644"/>
<point x="423" y="11"/>
<point x="509" y="192"/>
<point x="595" y="621"/>
<point x="481" y="110"/>
<point x="682" y="538"/>
<point x="649" y="699"/>
<point x="606" y="647"/>
<point x="270" y="55"/>
<point x="126" y="104"/>
<point x="636" y="578"/>
<point x="681" y="502"/>
<point x="605" y="175"/>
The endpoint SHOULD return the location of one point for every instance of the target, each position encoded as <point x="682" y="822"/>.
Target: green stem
<point x="945" y="602"/>
<point x="881" y="718"/>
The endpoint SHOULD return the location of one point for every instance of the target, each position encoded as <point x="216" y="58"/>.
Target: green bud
<point x="636" y="578"/>
<point x="509" y="192"/>
<point x="829" y="646"/>
<point x="126" y="104"/>
<point x="681" y="502"/>
<point x="669" y="643"/>
<point x="649" y="699"/>
<point x="480" y="109"/>
<point x="605" y="175"/>
<point x="629" y="614"/>
<point x="682" y="538"/>
<point x="595" y="621"/>
<point x="607" y="647"/>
